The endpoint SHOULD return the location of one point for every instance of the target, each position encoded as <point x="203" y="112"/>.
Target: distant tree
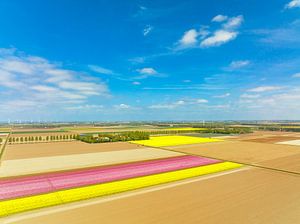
<point x="25" y="139"/>
<point x="47" y="138"/>
<point x="36" y="138"/>
<point x="1" y="140"/>
<point x="40" y="138"/>
<point x="17" y="139"/>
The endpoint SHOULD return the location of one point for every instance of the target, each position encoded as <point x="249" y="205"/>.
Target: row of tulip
<point x="17" y="205"/>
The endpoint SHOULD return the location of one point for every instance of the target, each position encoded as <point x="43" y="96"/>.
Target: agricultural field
<point x="173" y="140"/>
<point x="187" y="172"/>
<point x="35" y="150"/>
<point x="229" y="198"/>
<point x="295" y="141"/>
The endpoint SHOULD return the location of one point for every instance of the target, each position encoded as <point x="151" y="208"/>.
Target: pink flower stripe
<point x="21" y="187"/>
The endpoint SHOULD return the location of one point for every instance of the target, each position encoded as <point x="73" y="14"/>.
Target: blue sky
<point x="149" y="60"/>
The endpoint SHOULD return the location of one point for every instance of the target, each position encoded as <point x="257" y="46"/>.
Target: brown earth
<point x="290" y="163"/>
<point x="265" y="134"/>
<point x="30" y="166"/>
<point x="273" y="139"/>
<point x="247" y="152"/>
<point x="251" y="196"/>
<point x="23" y="151"/>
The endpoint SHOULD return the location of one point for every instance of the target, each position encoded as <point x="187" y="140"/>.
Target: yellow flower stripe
<point x="76" y="194"/>
<point x="173" y="140"/>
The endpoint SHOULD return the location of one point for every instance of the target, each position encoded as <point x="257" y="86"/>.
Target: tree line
<point x="42" y="138"/>
<point x="114" y="137"/>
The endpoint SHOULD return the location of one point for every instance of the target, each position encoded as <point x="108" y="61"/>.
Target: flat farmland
<point x="33" y="150"/>
<point x="289" y="163"/>
<point x="244" y="152"/>
<point x="248" y="196"/>
<point x="273" y="139"/>
<point x="291" y="142"/>
<point x="265" y="134"/>
<point x="19" y="167"/>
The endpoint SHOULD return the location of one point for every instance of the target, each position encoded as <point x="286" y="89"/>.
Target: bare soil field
<point x="265" y="134"/>
<point x="291" y="142"/>
<point x="249" y="196"/>
<point x="23" y="151"/>
<point x="273" y="139"/>
<point x="290" y="163"/>
<point x="243" y="152"/>
<point x="19" y="167"/>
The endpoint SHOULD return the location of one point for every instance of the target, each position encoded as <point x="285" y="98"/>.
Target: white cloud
<point x="206" y="38"/>
<point x="7" y="79"/>
<point x="100" y="70"/>
<point x="123" y="106"/>
<point x="44" y="83"/>
<point x="265" y="89"/>
<point x="293" y="4"/>
<point x="148" y="72"/>
<point x="297" y="75"/>
<point x="201" y="101"/>
<point x="219" y="37"/>
<point x="147" y="30"/>
<point x="136" y="83"/>
<point x="238" y="64"/>
<point x="234" y="22"/>
<point x="219" y="18"/>
<point x="179" y="103"/>
<point x="223" y="95"/>
<point x="86" y="107"/>
<point x="162" y="106"/>
<point x="250" y="96"/>
<point x="189" y="38"/>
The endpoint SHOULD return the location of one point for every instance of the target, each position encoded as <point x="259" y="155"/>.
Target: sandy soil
<point x="23" y="151"/>
<point x="290" y="163"/>
<point x="293" y="142"/>
<point x="273" y="139"/>
<point x="243" y="152"/>
<point x="252" y="196"/>
<point x="265" y="134"/>
<point x="20" y="167"/>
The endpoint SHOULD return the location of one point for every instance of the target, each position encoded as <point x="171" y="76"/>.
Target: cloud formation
<point x="238" y="64"/>
<point x="100" y="70"/>
<point x="147" y="30"/>
<point x="205" y="38"/>
<point x="36" y="82"/>
<point x="178" y="103"/>
<point x="293" y="4"/>
<point x="219" y="18"/>
<point x="265" y="89"/>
